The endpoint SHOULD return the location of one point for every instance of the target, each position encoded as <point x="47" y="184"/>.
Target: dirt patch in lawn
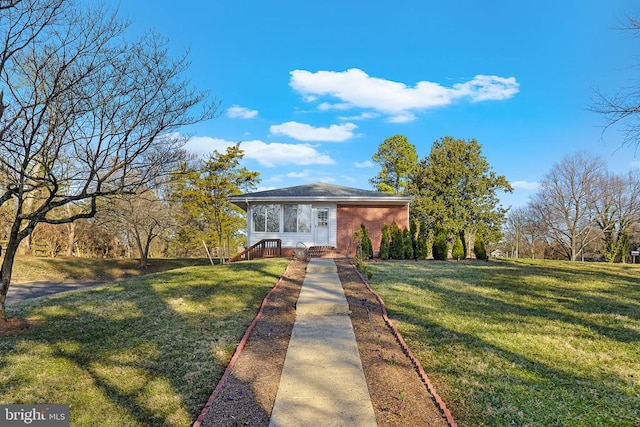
<point x="16" y="326"/>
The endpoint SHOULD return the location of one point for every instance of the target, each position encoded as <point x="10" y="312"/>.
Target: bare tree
<point x="514" y="229"/>
<point x="86" y="114"/>
<point x="48" y="238"/>
<point x="623" y="107"/>
<point x="534" y="232"/>
<point x="617" y="207"/>
<point x="23" y="22"/>
<point x="142" y="218"/>
<point x="565" y="202"/>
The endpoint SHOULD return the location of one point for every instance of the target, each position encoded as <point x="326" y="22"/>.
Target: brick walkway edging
<point x="236" y="354"/>
<point x="416" y="363"/>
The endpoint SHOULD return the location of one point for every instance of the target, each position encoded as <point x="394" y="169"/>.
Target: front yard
<point x="143" y="351"/>
<point x="523" y="343"/>
<point x="505" y="343"/>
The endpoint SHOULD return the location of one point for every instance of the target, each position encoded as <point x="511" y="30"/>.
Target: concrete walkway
<point x="322" y="382"/>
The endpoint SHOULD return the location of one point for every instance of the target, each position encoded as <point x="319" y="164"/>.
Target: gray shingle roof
<point x="320" y="192"/>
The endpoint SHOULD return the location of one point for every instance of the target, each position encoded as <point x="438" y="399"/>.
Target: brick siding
<point x="350" y="217"/>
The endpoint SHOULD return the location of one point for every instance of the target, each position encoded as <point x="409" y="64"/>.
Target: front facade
<point x="320" y="215"/>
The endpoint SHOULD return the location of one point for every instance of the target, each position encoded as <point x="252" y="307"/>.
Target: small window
<point x="323" y="217"/>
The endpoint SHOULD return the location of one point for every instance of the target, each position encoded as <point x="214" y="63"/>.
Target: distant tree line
<point x="173" y="216"/>
<point x="581" y="211"/>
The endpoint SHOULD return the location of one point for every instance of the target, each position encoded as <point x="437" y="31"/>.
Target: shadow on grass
<point x="459" y="314"/>
<point x="248" y="394"/>
<point x="498" y="387"/>
<point x="524" y="292"/>
<point x="152" y="349"/>
<point x="29" y="269"/>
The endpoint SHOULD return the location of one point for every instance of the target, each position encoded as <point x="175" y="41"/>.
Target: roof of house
<point x="320" y="192"/>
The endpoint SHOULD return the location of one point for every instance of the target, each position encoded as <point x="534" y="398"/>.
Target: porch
<point x="272" y="248"/>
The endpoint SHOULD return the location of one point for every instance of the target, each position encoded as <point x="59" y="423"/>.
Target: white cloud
<point x="357" y="89"/>
<point x="361" y="116"/>
<point x="267" y="154"/>
<point x="325" y="106"/>
<point x="404" y="117"/>
<point x="237" y="112"/>
<point x="365" y="164"/>
<point x="488" y="88"/>
<point x="305" y="132"/>
<point x="526" y="185"/>
<point x="204" y="145"/>
<point x="301" y="174"/>
<point x="277" y="154"/>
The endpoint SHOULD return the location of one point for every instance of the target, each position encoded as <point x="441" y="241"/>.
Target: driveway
<point x="23" y="291"/>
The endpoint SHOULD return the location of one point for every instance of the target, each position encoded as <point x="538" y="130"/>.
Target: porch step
<point x="323" y="252"/>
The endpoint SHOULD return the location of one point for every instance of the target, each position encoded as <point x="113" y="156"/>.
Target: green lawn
<point x="143" y="351"/>
<point x="529" y="343"/>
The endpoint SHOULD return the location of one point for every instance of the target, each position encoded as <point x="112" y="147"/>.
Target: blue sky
<point x="312" y="88"/>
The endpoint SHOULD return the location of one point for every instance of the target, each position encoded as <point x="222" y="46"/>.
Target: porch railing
<point x="265" y="248"/>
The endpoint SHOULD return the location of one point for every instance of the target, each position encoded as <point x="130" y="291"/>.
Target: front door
<point x="322" y="227"/>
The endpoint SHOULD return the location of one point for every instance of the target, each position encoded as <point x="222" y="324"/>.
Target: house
<point x="320" y="215"/>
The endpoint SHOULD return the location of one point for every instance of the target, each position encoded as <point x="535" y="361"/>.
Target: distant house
<point x="320" y="215"/>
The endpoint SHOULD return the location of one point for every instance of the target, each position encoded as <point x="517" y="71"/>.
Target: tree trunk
<point x="71" y="238"/>
<point x="144" y="257"/>
<point x="147" y="247"/>
<point x="141" y="250"/>
<point x="7" y="267"/>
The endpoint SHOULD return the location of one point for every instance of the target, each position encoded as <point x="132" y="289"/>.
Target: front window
<point x="294" y="218"/>
<point x="297" y="218"/>
<point x="266" y="218"/>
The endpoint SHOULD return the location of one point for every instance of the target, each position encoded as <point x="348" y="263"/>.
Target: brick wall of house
<point x="351" y="216"/>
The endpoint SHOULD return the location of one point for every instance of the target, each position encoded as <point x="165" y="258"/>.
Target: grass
<point x="526" y="343"/>
<point x="35" y="269"/>
<point x="143" y="351"/>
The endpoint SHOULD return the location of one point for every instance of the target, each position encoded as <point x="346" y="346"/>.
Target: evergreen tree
<point x="396" y="246"/>
<point x="422" y="247"/>
<point x="384" y="242"/>
<point x="413" y="232"/>
<point x="203" y="191"/>
<point x="464" y="244"/>
<point x="440" y="245"/>
<point x="479" y="249"/>
<point x="455" y="188"/>
<point x="457" y="252"/>
<point x="397" y="158"/>
<point x="367" y="247"/>
<point x="407" y="243"/>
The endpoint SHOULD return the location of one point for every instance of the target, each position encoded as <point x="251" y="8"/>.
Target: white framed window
<point x="296" y="218"/>
<point x="266" y="218"/>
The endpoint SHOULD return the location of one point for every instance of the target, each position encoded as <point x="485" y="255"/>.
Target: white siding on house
<point x="291" y="240"/>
